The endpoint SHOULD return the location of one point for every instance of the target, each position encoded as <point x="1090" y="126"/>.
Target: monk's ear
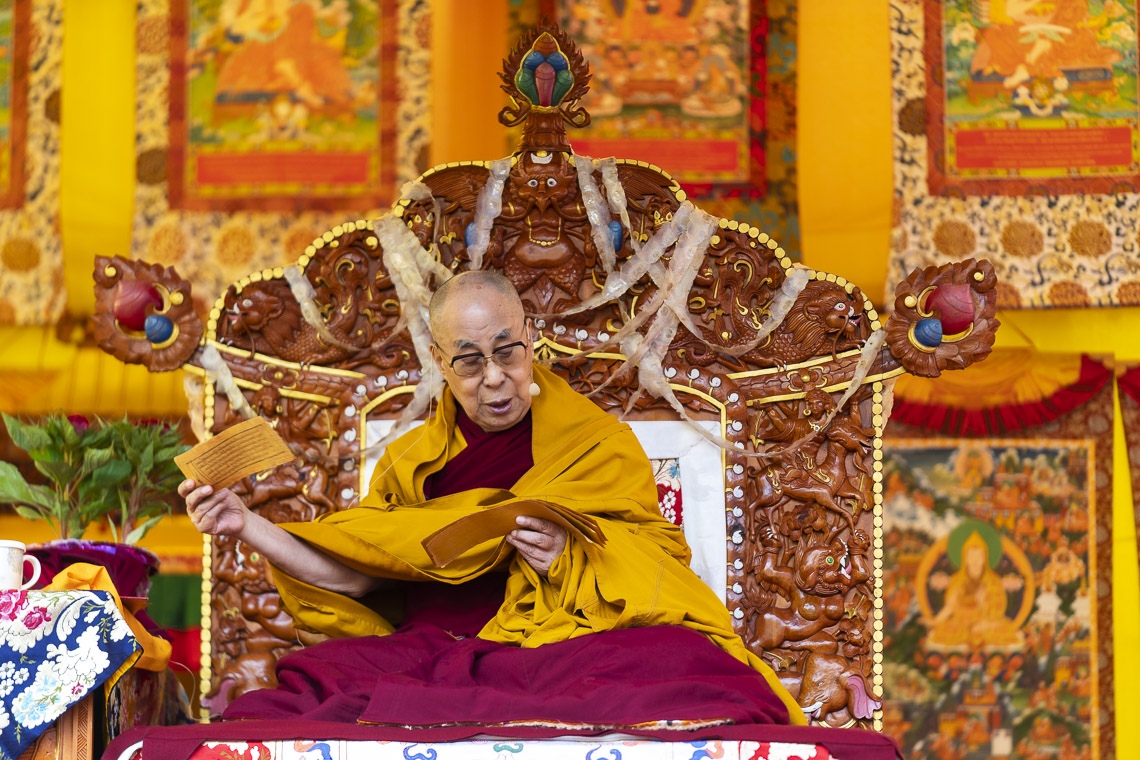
<point x="436" y="357"/>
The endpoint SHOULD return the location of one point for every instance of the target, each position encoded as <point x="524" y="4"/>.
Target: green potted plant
<point x="119" y="473"/>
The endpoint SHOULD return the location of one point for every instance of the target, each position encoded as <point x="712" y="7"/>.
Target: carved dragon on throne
<point x="643" y="301"/>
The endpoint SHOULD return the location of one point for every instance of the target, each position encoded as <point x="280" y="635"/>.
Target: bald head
<point x="478" y="315"/>
<point x="469" y="286"/>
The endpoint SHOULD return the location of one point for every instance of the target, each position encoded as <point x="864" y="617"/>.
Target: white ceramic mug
<point x="12" y="561"/>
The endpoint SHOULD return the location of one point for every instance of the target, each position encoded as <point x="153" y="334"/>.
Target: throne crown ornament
<point x="544" y="77"/>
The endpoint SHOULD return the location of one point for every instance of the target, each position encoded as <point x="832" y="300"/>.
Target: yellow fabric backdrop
<point x="845" y="192"/>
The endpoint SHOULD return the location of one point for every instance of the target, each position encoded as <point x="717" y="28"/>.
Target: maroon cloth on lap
<point x="461" y="610"/>
<point x="490" y="460"/>
<point x="333" y="680"/>
<point x="422" y="677"/>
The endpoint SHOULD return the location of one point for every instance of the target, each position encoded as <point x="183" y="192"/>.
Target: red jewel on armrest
<point x="132" y="300"/>
<point x="954" y="307"/>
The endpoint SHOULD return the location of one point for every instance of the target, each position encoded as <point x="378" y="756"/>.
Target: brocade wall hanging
<point x="998" y="557"/>
<point x="261" y="125"/>
<point x="706" y="89"/>
<point x="32" y="287"/>
<point x="1015" y="125"/>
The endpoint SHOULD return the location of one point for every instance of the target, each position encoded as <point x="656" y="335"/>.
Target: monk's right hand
<point x="217" y="513"/>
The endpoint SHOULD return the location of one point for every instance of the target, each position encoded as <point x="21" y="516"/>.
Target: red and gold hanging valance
<point x="1129" y="383"/>
<point x="1014" y="389"/>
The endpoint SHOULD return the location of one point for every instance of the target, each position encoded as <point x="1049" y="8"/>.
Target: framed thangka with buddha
<point x="1031" y="94"/>
<point x="260" y="125"/>
<point x="1017" y="137"/>
<point x="272" y="104"/>
<point x="997" y="643"/>
<point x="677" y="83"/>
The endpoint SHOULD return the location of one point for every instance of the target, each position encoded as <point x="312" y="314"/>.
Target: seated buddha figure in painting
<point x="1025" y="39"/>
<point x="975" y="603"/>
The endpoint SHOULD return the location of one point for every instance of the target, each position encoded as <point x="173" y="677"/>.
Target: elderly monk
<point x="538" y="628"/>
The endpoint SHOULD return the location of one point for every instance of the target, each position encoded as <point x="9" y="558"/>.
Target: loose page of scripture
<point x="244" y="449"/>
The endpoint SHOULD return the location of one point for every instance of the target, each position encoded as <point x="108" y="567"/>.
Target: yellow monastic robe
<point x="584" y="459"/>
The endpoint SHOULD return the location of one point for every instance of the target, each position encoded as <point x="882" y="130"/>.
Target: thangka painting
<point x="32" y="287"/>
<point x="676" y="83"/>
<point x="704" y="89"/>
<point x="1016" y="138"/>
<point x="998" y="644"/>
<point x="261" y="125"/>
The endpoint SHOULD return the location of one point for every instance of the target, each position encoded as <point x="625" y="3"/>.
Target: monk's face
<point x="478" y="321"/>
<point x="976" y="560"/>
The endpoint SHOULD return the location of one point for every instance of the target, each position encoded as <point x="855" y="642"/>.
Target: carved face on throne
<point x="816" y="404"/>
<point x="543" y="204"/>
<point x="254" y="308"/>
<point x="825" y="319"/>
<point x="839" y="312"/>
<point x="544" y="192"/>
<point x="823" y="569"/>
<point x="267" y="400"/>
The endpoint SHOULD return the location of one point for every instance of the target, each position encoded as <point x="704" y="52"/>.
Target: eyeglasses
<point x="509" y="356"/>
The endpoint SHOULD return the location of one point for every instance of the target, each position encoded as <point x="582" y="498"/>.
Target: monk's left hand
<point x="539" y="542"/>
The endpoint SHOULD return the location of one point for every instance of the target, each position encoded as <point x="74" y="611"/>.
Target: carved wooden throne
<point x="654" y="308"/>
